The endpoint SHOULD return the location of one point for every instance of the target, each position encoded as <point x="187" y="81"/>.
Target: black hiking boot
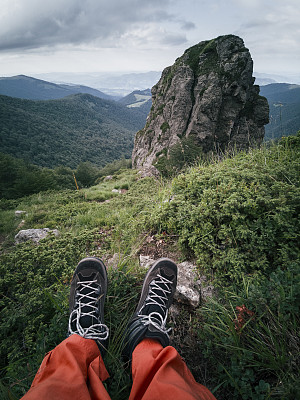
<point x="87" y="297"/>
<point x="149" y="319"/>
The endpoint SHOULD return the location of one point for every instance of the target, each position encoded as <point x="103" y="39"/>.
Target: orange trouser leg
<point x="73" y="370"/>
<point x="160" y="373"/>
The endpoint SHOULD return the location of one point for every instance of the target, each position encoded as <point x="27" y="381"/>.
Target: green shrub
<point x="182" y="154"/>
<point x="239" y="216"/>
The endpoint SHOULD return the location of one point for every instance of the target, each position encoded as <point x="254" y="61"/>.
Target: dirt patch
<point x="157" y="246"/>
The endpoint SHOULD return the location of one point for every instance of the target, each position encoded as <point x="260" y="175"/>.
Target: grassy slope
<point x="234" y="208"/>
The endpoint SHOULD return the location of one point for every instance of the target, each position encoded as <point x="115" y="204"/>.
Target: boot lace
<point x="87" y="295"/>
<point x="157" y="298"/>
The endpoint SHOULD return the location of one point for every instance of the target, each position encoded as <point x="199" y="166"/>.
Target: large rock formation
<point x="208" y="95"/>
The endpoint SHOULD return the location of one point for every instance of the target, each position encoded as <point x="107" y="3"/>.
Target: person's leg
<point x="160" y="373"/>
<point x="75" y="369"/>
<point x="157" y="369"/>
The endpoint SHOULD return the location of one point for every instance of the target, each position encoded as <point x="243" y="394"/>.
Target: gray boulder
<point x="35" y="235"/>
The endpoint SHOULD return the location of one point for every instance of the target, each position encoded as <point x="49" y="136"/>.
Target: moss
<point x="160" y="109"/>
<point x="208" y="48"/>
<point x="163" y="151"/>
<point x="164" y="127"/>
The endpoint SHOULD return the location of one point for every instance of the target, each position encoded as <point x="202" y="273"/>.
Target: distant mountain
<point x="25" y="87"/>
<point x="138" y="99"/>
<point x="284" y="103"/>
<point x="67" y="131"/>
<point x="112" y="83"/>
<point x="266" y="79"/>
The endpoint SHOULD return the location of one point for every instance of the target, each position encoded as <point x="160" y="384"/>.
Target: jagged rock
<point x="19" y="213"/>
<point x="187" y="291"/>
<point x="149" y="171"/>
<point x="208" y="96"/>
<point x="34" y="235"/>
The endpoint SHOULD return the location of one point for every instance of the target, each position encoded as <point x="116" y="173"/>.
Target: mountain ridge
<point x="26" y="87"/>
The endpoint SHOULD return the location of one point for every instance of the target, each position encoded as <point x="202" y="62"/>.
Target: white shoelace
<point x="155" y="318"/>
<point x="95" y="331"/>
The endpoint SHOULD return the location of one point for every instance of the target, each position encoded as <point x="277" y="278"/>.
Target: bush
<point x="182" y="154"/>
<point x="239" y="216"/>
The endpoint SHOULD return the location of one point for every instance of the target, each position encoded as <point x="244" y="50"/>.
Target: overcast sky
<point x="141" y="35"/>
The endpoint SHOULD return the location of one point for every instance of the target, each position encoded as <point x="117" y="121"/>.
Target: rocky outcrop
<point x="208" y="95"/>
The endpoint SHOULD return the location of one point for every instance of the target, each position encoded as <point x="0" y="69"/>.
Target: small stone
<point x="146" y="261"/>
<point x="187" y="290"/>
<point x="19" y="213"/>
<point x="108" y="178"/>
<point x="35" y="235"/>
<point x="21" y="224"/>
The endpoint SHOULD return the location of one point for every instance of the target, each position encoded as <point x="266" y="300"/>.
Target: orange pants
<point x="74" y="370"/>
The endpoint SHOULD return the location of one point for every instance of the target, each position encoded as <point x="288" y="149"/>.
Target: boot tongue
<point x="158" y="295"/>
<point x="88" y="320"/>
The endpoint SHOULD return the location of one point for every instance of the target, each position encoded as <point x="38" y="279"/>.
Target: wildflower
<point x="242" y="313"/>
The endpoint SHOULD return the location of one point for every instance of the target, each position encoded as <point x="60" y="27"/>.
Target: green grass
<point x="237" y="217"/>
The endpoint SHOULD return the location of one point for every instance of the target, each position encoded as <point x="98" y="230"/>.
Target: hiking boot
<point x="87" y="297"/>
<point x="149" y="319"/>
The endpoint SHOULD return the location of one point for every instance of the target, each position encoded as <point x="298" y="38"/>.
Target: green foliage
<point x="19" y="178"/>
<point x="255" y="352"/>
<point x="239" y="216"/>
<point x="164" y="127"/>
<point x="86" y="174"/>
<point x="35" y="279"/>
<point x="184" y="153"/>
<point x="115" y="166"/>
<point x="207" y="48"/>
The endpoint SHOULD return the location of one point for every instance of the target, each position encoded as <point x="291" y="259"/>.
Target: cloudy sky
<point x="141" y="35"/>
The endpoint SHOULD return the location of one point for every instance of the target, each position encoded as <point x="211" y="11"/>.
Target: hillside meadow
<point x="236" y="217"/>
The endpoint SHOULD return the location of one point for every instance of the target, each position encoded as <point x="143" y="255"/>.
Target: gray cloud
<point x="187" y="26"/>
<point x="33" y="23"/>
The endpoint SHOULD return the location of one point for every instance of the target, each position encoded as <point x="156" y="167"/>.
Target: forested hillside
<point x="141" y="99"/>
<point x="68" y="131"/>
<point x="284" y="103"/>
